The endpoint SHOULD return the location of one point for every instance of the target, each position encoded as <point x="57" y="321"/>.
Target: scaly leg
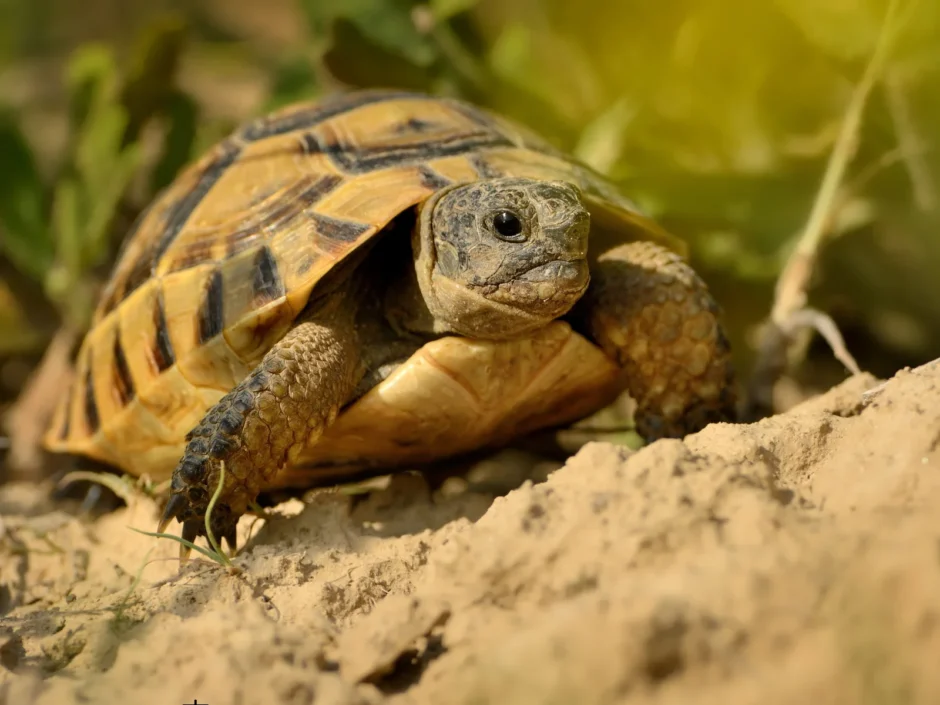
<point x="293" y="394"/>
<point x="650" y="312"/>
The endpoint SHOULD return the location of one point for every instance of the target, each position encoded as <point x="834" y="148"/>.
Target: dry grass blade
<point x="827" y="328"/>
<point x="215" y="553"/>
<point x="118" y="484"/>
<point x="212" y="501"/>
<point x="211" y="554"/>
<point x="120" y="608"/>
<point x="789" y="315"/>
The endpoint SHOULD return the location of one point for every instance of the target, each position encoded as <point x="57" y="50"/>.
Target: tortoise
<point x="374" y="280"/>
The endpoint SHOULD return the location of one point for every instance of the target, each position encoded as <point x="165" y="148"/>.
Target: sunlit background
<point x="718" y="116"/>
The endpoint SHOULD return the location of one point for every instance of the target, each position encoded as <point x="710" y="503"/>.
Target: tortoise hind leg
<point x="293" y="394"/>
<point x="650" y="312"/>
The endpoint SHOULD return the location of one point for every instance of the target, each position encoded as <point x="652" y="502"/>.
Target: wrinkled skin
<point x="494" y="259"/>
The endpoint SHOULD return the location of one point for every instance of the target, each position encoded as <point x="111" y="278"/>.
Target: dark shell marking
<point x="92" y="419"/>
<point x="267" y="284"/>
<point x="123" y="383"/>
<point x="289" y="205"/>
<point x="211" y="310"/>
<point x="305" y="116"/>
<point x="162" y="350"/>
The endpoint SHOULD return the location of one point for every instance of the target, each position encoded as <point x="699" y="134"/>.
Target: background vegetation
<point x="718" y="116"/>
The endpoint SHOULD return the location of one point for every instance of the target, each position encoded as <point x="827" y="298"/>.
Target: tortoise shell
<point x="216" y="269"/>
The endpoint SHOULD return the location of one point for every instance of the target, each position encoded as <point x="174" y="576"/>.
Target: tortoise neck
<point x="405" y="307"/>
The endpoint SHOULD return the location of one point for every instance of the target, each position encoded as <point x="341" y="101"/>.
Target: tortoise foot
<point x="252" y="432"/>
<point x="190" y="510"/>
<point x="651" y="313"/>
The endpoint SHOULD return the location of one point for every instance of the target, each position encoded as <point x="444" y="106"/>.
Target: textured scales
<point x="216" y="270"/>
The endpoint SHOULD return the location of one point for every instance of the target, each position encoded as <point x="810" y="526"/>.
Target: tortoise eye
<point x="508" y="226"/>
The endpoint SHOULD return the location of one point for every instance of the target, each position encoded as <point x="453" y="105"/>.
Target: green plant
<point x="57" y="229"/>
<point x="214" y="553"/>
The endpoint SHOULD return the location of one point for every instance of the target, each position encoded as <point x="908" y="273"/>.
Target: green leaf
<point x="850" y="30"/>
<point x="149" y="84"/>
<point x="99" y="146"/>
<point x="388" y="23"/>
<point x="24" y="236"/>
<point x="294" y="80"/>
<point x="443" y="10"/>
<point x="182" y="113"/>
<point x="92" y="73"/>
<point x="16" y="333"/>
<point x="844" y="30"/>
<point x="601" y="142"/>
<point x="103" y="164"/>
<point x="67" y="221"/>
<point x="511" y="59"/>
<point x="105" y="204"/>
<point x="92" y="183"/>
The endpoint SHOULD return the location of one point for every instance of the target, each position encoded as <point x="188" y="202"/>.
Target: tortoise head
<point x="501" y="257"/>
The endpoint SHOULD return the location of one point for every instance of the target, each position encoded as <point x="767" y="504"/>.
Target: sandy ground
<point x="795" y="560"/>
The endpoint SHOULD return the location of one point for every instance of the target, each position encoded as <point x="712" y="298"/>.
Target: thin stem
<point x="794" y="280"/>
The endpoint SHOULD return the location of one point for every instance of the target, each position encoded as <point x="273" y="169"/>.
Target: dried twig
<point x="789" y="316"/>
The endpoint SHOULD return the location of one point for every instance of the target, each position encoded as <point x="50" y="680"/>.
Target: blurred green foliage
<point x="716" y="115"/>
<point x="58" y="230"/>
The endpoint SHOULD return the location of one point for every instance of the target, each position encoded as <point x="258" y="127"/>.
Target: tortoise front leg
<point x="293" y="394"/>
<point x="648" y="310"/>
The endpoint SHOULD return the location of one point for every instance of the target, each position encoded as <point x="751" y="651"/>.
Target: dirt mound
<point x="793" y="560"/>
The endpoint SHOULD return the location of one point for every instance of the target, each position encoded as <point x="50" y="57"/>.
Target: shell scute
<point x="293" y="118"/>
<point x="256" y="300"/>
<point x="390" y="135"/>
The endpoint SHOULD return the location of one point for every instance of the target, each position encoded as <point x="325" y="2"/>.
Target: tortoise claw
<point x="191" y="529"/>
<point x="231" y="538"/>
<point x="173" y="510"/>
